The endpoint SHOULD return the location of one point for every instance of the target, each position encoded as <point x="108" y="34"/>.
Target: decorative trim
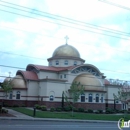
<point x="86" y="68"/>
<point x="31" y="96"/>
<point x="20" y="88"/>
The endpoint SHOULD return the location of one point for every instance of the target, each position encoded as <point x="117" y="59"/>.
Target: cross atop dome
<point x="66" y="38"/>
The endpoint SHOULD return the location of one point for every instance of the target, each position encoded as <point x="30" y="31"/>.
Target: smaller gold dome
<point x="89" y="81"/>
<point x="7" y="79"/>
<point x="66" y="50"/>
<point x="18" y="82"/>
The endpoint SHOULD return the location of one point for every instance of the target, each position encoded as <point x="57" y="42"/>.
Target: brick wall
<point x="93" y="106"/>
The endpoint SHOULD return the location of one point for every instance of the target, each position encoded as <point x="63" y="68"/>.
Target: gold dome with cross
<point x="66" y="50"/>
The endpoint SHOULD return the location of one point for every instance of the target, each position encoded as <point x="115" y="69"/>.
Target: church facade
<point x="44" y="85"/>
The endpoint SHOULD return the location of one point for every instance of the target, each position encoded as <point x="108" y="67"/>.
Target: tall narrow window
<point x="124" y="106"/>
<point x="10" y="95"/>
<point x="97" y="97"/>
<point x="82" y="97"/>
<point x="57" y="62"/>
<point x="102" y="98"/>
<point x="64" y="75"/>
<point x="66" y="62"/>
<point x="75" y="62"/>
<point x="51" y="98"/>
<point x="90" y="98"/>
<point x="18" y="95"/>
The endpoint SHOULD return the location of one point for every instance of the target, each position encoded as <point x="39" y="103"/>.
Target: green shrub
<point x="97" y="112"/>
<point x="37" y="106"/>
<point x="6" y="105"/>
<point x="90" y="111"/>
<point x="23" y="105"/>
<point x="100" y="111"/>
<point x="67" y="108"/>
<point x="110" y="111"/>
<point x="75" y="109"/>
<point x="43" y="108"/>
<point x="81" y="109"/>
<point x="4" y="111"/>
<point x="15" y="105"/>
<point x="59" y="109"/>
<point x="86" y="111"/>
<point x="52" y="109"/>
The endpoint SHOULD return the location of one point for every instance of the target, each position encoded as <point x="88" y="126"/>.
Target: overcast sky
<point x="32" y="32"/>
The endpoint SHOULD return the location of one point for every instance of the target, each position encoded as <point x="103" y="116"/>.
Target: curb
<point x="58" y="120"/>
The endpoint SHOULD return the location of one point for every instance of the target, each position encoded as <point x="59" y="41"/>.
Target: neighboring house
<point x="44" y="84"/>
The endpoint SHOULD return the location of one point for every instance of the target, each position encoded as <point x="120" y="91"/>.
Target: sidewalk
<point x="20" y="116"/>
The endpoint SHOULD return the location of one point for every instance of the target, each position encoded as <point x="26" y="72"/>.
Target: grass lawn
<point x="68" y="115"/>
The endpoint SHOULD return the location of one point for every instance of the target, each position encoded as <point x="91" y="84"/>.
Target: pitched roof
<point x="49" y="68"/>
<point x="106" y="82"/>
<point x="27" y="75"/>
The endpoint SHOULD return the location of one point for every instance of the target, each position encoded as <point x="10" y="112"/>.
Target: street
<point x="54" y="125"/>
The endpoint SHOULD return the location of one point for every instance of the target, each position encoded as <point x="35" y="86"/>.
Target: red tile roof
<point x="49" y="68"/>
<point x="27" y="75"/>
<point x="106" y="82"/>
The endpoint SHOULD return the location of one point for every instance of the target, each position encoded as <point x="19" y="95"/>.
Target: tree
<point x="123" y="95"/>
<point x="7" y="87"/>
<point x="62" y="99"/>
<point x="76" y="89"/>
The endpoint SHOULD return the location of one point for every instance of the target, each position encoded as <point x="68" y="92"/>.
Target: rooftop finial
<point x="66" y="38"/>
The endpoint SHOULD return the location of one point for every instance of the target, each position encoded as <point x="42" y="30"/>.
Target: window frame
<point x="102" y="98"/>
<point x="82" y="98"/>
<point x="66" y="62"/>
<point x="90" y="97"/>
<point x="97" y="98"/>
<point x="75" y="63"/>
<point x="18" y="95"/>
<point x="57" y="62"/>
<point x="11" y="95"/>
<point x="51" y="98"/>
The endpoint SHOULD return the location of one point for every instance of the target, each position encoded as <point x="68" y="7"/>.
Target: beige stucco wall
<point x="44" y="74"/>
<point x="61" y="62"/>
<point x="33" y="90"/>
<point x="110" y="91"/>
<point x="43" y="90"/>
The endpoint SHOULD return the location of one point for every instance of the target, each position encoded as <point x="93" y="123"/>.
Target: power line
<point x="65" y="25"/>
<point x="52" y="37"/>
<point x="22" y="55"/>
<point x="12" y="67"/>
<point x="64" y="18"/>
<point x="90" y="25"/>
<point x="114" y="4"/>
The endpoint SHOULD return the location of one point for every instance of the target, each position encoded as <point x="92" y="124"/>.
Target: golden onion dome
<point x="89" y="81"/>
<point x="18" y="82"/>
<point x="7" y="79"/>
<point x="66" y="50"/>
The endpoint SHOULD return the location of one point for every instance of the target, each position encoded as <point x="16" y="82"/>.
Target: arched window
<point x="57" y="62"/>
<point x="18" y="95"/>
<point x="90" y="97"/>
<point x="75" y="62"/>
<point x="102" y="98"/>
<point x="10" y="95"/>
<point x="97" y="97"/>
<point x="51" y="98"/>
<point x="66" y="62"/>
<point x="82" y="97"/>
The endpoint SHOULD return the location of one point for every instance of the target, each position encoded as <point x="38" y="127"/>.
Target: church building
<point x="44" y="85"/>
